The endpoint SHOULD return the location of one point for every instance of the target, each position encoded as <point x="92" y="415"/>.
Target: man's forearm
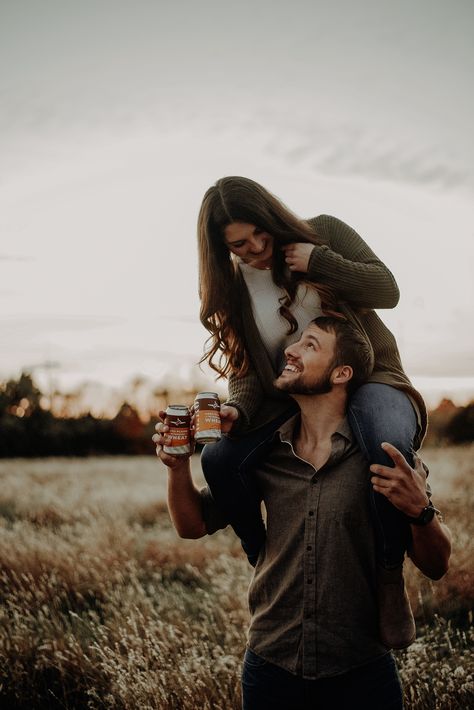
<point x="431" y="548"/>
<point x="184" y="502"/>
<point x="405" y="488"/>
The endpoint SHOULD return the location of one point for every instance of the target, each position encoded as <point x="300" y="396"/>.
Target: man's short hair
<point x="352" y="348"/>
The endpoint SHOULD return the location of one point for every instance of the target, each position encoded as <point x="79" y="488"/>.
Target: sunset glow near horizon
<point x="116" y="119"/>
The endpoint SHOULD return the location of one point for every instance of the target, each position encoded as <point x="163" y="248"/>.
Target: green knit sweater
<point x="362" y="282"/>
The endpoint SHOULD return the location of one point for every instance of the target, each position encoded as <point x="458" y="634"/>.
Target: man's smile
<point x="289" y="367"/>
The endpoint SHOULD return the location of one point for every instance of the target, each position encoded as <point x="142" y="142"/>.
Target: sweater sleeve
<point x="246" y="395"/>
<point x="348" y="265"/>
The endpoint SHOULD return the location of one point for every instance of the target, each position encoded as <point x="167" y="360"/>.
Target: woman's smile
<point x="251" y="244"/>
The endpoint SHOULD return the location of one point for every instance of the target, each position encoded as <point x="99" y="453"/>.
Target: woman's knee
<point x="379" y="413"/>
<point x="216" y="458"/>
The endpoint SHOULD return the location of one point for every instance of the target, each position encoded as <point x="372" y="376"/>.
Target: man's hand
<point x="404" y="486"/>
<point x="162" y="438"/>
<point x="184" y="500"/>
<point x="297" y="255"/>
<point x="229" y="416"/>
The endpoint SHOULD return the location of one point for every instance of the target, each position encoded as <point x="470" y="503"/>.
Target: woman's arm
<point x="246" y="395"/>
<point x="348" y="265"/>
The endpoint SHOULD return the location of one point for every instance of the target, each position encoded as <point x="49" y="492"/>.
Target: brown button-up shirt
<point x="312" y="596"/>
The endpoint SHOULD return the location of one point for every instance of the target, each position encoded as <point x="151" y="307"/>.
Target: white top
<point x="264" y="297"/>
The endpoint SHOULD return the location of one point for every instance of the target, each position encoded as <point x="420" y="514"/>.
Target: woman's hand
<point x="297" y="256"/>
<point x="229" y="416"/>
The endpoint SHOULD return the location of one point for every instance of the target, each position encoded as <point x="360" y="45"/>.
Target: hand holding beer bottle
<point x="229" y="416"/>
<point x="208" y="428"/>
<point x="179" y="427"/>
<point x="173" y="438"/>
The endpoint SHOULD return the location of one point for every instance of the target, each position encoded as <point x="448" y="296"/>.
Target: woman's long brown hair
<point x="239" y="199"/>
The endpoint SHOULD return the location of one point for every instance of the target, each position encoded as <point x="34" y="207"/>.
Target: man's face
<point x="309" y="363"/>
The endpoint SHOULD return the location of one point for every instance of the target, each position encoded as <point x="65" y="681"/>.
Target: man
<point x="313" y="640"/>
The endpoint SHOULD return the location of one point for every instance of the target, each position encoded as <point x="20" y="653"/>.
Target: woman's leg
<point x="228" y="469"/>
<point x="379" y="413"/>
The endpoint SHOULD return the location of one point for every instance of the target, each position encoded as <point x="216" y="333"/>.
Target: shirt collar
<point x="286" y="430"/>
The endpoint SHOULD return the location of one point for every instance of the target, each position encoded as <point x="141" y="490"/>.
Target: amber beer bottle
<point x="178" y="418"/>
<point x="207" y="420"/>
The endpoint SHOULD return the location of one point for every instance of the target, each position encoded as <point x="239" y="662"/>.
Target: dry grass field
<point x="102" y="606"/>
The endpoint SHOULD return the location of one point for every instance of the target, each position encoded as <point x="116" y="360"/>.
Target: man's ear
<point x="341" y="374"/>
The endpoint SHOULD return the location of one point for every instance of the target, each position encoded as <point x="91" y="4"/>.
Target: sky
<point x="115" y="117"/>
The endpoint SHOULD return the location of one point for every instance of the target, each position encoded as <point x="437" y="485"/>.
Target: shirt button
<point x="311" y="512"/>
<point x="309" y="548"/>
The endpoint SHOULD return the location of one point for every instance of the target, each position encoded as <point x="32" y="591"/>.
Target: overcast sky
<point x="115" y="117"/>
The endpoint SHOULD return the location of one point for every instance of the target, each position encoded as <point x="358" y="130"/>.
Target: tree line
<point x="29" y="429"/>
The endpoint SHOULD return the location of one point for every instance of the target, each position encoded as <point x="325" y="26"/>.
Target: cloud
<point x="459" y="363"/>
<point x="14" y="257"/>
<point x="339" y="147"/>
<point x="35" y="325"/>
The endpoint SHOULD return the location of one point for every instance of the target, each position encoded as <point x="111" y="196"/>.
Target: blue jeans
<point x="379" y="413"/>
<point x="376" y="413"/>
<point x="373" y="686"/>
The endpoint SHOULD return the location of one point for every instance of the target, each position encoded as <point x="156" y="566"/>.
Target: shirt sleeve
<point x="213" y="517"/>
<point x="349" y="266"/>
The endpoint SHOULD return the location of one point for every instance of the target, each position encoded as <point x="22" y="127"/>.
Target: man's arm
<point x="184" y="502"/>
<point x="431" y="548"/>
<point x="405" y="488"/>
<point x="184" y="499"/>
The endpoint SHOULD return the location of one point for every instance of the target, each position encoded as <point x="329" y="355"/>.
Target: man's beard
<point x="322" y="386"/>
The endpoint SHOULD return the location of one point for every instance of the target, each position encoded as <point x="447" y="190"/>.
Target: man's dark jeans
<point x="373" y="686"/>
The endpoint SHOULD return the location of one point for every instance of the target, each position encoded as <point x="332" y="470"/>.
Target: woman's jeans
<point x="376" y="413"/>
<point x="373" y="686"/>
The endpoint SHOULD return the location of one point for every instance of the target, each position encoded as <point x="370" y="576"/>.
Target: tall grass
<point x="102" y="606"/>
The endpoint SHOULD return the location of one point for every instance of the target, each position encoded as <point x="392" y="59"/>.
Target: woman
<point x="264" y="274"/>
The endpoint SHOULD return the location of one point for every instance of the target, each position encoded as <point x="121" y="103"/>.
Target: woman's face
<point x="250" y="243"/>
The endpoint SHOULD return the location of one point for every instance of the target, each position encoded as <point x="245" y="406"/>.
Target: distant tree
<point x="129" y="427"/>
<point x="460" y="429"/>
<point x="20" y="397"/>
<point x="159" y="400"/>
<point x="439" y="419"/>
<point x="26" y="429"/>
